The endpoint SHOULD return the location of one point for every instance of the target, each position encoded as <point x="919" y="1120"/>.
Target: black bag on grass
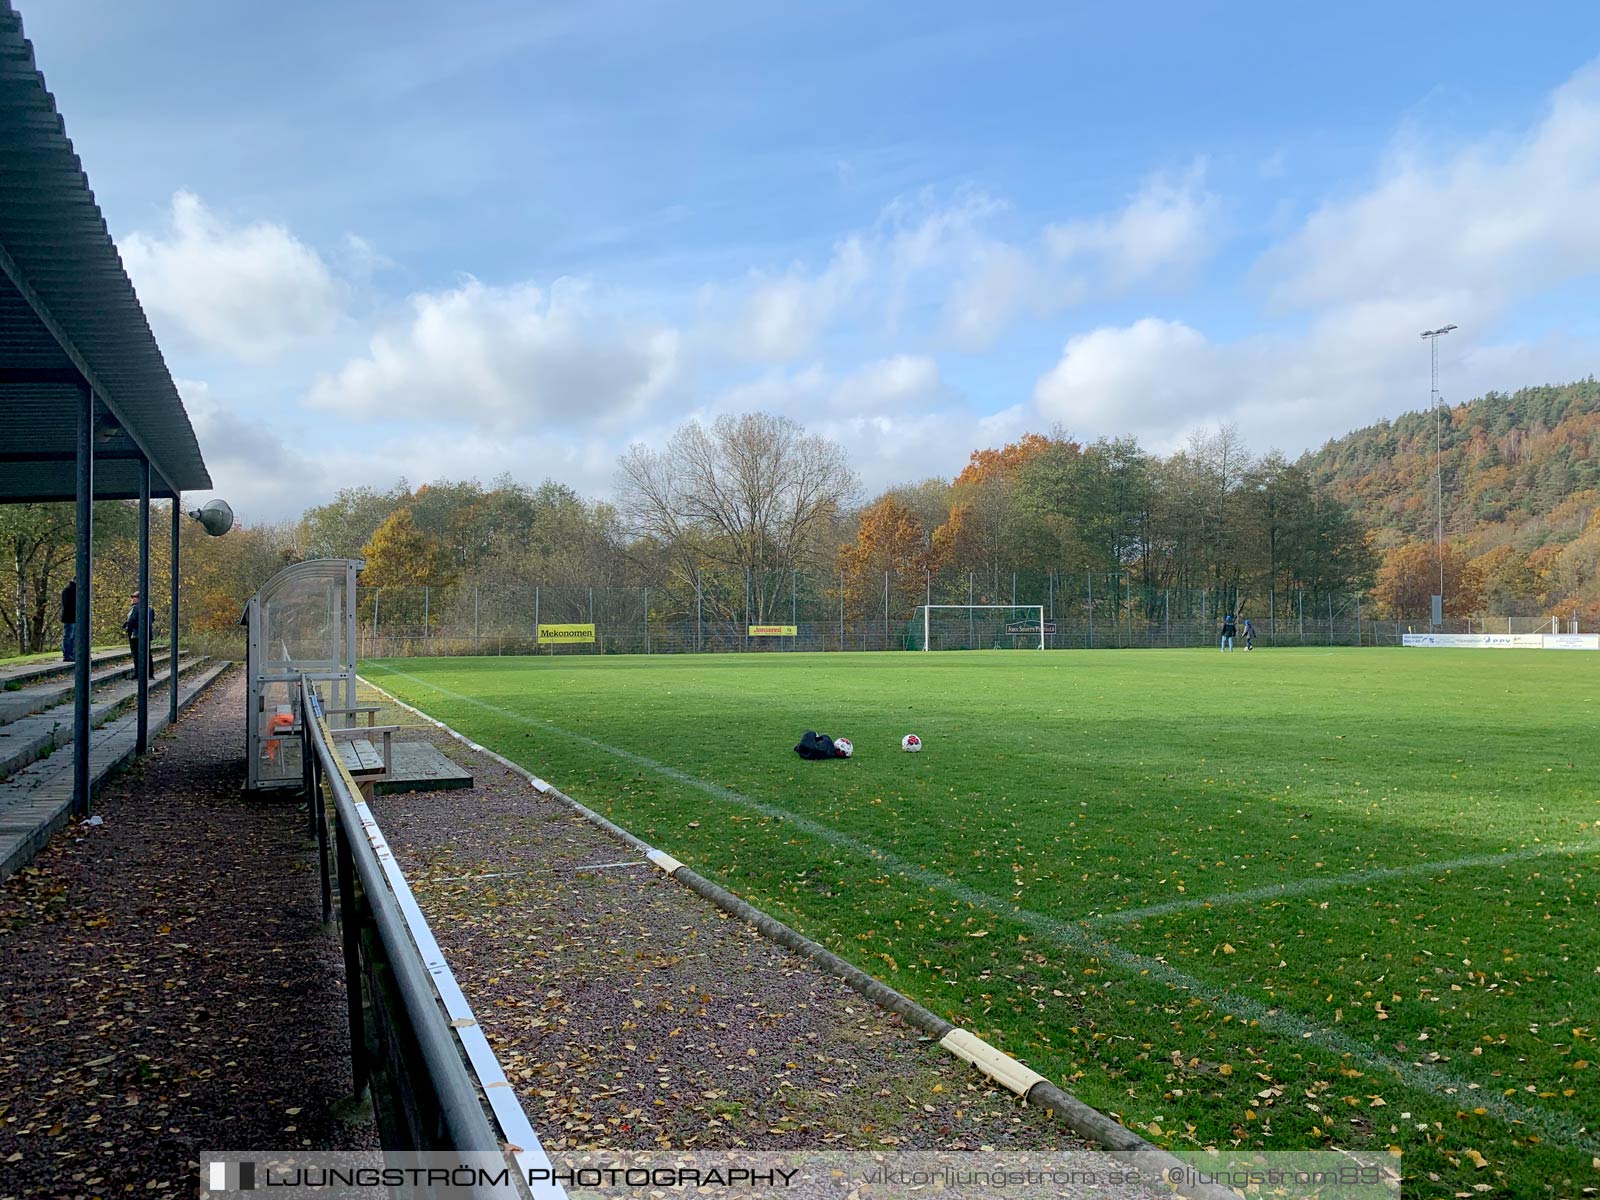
<point x="816" y="745"/>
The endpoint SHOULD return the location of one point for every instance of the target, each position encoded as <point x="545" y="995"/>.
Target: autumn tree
<point x="1409" y="578"/>
<point x="890" y="546"/>
<point x="400" y="555"/>
<point x="992" y="529"/>
<point x="755" y="495"/>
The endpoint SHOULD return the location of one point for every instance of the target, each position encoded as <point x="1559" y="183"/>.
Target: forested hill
<point x="1520" y="469"/>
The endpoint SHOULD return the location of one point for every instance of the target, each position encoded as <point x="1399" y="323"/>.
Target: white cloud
<point x="1499" y="219"/>
<point x="783" y="316"/>
<point x="891" y="385"/>
<point x="249" y="291"/>
<point x="960" y="271"/>
<point x="1143" y="376"/>
<point x="251" y="466"/>
<point x="1458" y="238"/>
<point x="1167" y="229"/>
<point x="899" y="384"/>
<point x="508" y="359"/>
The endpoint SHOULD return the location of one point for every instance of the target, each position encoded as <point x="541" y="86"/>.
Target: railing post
<point x="427" y="620"/>
<point x="350" y="935"/>
<point x="474" y="618"/>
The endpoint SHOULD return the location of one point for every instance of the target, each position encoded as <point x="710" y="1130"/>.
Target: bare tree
<point x="753" y="494"/>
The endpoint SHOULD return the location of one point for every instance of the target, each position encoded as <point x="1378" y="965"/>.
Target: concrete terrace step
<point x="24" y="702"/>
<point x="36" y="735"/>
<point x="26" y="674"/>
<point x="38" y="800"/>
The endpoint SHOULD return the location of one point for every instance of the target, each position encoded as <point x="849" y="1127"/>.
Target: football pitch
<point x="1284" y="899"/>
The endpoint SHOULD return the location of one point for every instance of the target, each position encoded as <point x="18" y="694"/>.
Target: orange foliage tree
<point x="889" y="539"/>
<point x="1409" y="577"/>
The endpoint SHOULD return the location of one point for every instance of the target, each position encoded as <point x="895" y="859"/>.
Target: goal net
<point x="979" y="627"/>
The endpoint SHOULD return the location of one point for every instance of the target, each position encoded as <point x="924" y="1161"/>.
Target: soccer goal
<point x="982" y="626"/>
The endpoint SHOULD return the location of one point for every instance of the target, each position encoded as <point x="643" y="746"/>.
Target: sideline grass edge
<point x="1002" y="1068"/>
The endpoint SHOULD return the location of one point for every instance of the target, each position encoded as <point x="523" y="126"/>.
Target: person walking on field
<point x="1229" y="631"/>
<point x="1249" y="634"/>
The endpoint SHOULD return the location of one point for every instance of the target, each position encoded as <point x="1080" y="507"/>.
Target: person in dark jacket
<point x="130" y="626"/>
<point x="1229" y="629"/>
<point x="69" y="621"/>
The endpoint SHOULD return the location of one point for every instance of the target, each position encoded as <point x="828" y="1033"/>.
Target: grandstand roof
<point x="69" y="318"/>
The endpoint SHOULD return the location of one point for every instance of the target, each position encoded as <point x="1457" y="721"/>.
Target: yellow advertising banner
<point x="774" y="631"/>
<point x="566" y="633"/>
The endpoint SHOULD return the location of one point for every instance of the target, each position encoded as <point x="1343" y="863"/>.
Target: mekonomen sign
<point x="566" y="633"/>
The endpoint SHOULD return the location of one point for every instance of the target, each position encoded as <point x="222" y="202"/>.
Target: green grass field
<point x="1286" y="899"/>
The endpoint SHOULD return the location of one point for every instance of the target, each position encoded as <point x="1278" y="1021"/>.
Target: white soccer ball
<point x="911" y="743"/>
<point x="844" y="747"/>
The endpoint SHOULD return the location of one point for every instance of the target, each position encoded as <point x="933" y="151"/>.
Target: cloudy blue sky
<point x="454" y="240"/>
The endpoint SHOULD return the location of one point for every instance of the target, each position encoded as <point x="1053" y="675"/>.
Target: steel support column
<point x="172" y="616"/>
<point x="141" y="666"/>
<point x="81" y="630"/>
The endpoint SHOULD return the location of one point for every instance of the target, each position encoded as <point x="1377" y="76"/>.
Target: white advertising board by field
<point x="1572" y="641"/>
<point x="1504" y="641"/>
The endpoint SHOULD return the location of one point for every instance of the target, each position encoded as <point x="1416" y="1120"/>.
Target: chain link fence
<point x="795" y="611"/>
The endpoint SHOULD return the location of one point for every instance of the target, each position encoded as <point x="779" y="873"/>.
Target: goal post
<point x="1015" y="621"/>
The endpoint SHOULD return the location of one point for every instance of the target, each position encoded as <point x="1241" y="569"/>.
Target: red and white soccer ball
<point x="843" y="747"/>
<point x="911" y="743"/>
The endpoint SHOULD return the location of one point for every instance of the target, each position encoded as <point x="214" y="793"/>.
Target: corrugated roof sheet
<point x="68" y="313"/>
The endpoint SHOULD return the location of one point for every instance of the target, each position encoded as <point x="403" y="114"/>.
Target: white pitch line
<point x="1434" y="1081"/>
<point x="1310" y="884"/>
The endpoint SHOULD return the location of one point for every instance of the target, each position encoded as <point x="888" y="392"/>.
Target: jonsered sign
<point x="774" y="631"/>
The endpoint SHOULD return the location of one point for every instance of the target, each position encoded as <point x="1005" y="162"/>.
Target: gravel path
<point x="631" y="1014"/>
<point x="166" y="985"/>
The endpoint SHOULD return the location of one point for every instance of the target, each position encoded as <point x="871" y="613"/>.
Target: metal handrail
<point x="459" y="1098"/>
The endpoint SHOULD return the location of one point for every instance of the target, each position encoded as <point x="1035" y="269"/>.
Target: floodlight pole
<point x="1432" y="336"/>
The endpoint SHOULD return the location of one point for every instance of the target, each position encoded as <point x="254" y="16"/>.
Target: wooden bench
<point x="359" y="750"/>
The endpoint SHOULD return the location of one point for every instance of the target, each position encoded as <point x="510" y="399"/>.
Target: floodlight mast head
<point x="215" y="517"/>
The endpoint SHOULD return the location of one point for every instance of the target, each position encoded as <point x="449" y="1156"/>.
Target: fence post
<point x="1166" y="614"/>
<point x="699" y="643"/>
<point x="647" y="619"/>
<point x="747" y="608"/>
<point x="377" y="595"/>
<point x="1300" y="603"/>
<point x="1050" y="594"/>
<point x="1089" y="576"/>
<point x="536" y="638"/>
<point x="427" y="633"/>
<point x="886" y="610"/>
<point x="841" y="610"/>
<point x="1330" y="618"/>
<point x="794" y="607"/>
<point x="971" y="629"/>
<point x="474" y="618"/>
<point x="1013" y="589"/>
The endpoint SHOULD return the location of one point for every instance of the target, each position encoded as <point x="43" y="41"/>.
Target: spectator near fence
<point x="130" y="626"/>
<point x="69" y="621"/>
